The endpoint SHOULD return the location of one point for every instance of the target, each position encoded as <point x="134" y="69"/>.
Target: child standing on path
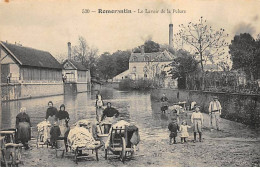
<point x="173" y="127"/>
<point x="55" y="133"/>
<point x="197" y="120"/>
<point x="184" y="131"/>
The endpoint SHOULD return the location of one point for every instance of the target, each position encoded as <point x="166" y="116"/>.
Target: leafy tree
<point x="166" y="47"/>
<point x="244" y="52"/>
<point x="225" y="67"/>
<point x="199" y="38"/>
<point x="110" y="65"/>
<point x="137" y="49"/>
<point x="106" y="66"/>
<point x="121" y="60"/>
<point x="149" y="47"/>
<point x="182" y="65"/>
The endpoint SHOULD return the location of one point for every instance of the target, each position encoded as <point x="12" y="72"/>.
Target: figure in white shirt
<point x="192" y="105"/>
<point x="197" y="121"/>
<point x="215" y="112"/>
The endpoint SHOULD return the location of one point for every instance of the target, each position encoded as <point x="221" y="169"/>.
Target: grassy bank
<point x="236" y="107"/>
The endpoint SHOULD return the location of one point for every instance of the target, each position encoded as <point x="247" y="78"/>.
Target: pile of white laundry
<point x="81" y="137"/>
<point x="44" y="127"/>
<point x="41" y="125"/>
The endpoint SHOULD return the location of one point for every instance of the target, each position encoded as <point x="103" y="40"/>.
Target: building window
<point x="145" y="69"/>
<point x="134" y="69"/>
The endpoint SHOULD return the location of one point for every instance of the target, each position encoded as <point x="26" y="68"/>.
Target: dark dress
<point x="23" y="125"/>
<point x="173" y="127"/>
<point x="55" y="133"/>
<point x="62" y="114"/>
<point x="63" y="118"/>
<point x="109" y="112"/>
<point x="50" y="114"/>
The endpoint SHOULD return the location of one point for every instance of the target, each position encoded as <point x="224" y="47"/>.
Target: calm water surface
<point x="135" y="107"/>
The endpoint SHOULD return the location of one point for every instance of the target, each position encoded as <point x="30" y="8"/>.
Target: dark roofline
<point x="49" y="68"/>
<point x="29" y="48"/>
<point x="76" y="68"/>
<point x="10" y="52"/>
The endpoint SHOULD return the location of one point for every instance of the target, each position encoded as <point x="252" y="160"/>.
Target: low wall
<point x="83" y="87"/>
<point x="24" y="91"/>
<point x="39" y="90"/>
<point x="237" y="107"/>
<point x="11" y="92"/>
<point x="31" y="90"/>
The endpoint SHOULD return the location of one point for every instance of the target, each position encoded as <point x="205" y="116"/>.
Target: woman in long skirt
<point x="23" y="126"/>
<point x="51" y="118"/>
<point x="63" y="120"/>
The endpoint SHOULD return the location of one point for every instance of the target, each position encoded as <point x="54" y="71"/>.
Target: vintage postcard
<point x="130" y="83"/>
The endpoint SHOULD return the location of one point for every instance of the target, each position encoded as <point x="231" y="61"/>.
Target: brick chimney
<point x="170" y="35"/>
<point x="142" y="50"/>
<point x="69" y="50"/>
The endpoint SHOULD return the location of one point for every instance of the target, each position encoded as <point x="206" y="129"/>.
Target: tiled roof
<point x="77" y="65"/>
<point x="156" y="56"/>
<point x="26" y="56"/>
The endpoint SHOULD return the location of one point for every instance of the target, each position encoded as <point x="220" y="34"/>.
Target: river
<point x="133" y="106"/>
<point x="235" y="145"/>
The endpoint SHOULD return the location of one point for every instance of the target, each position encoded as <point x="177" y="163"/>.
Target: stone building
<point x="76" y="73"/>
<point x="28" y="72"/>
<point x="151" y="65"/>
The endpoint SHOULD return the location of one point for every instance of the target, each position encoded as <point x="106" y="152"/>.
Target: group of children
<point x="197" y="122"/>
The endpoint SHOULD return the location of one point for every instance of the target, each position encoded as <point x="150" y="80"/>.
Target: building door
<point x="5" y="71"/>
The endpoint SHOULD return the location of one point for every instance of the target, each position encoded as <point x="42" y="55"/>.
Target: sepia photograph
<point x="130" y="83"/>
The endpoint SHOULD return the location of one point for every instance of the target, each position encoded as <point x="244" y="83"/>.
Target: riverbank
<point x="234" y="145"/>
<point x="236" y="107"/>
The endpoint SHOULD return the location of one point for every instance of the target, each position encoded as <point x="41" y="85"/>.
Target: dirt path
<point x="235" y="145"/>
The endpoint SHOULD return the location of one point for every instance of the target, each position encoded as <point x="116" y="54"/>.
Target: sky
<point x="49" y="24"/>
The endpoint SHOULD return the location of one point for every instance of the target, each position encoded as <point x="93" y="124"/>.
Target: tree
<point x="106" y="66"/>
<point x="225" y="67"/>
<point x="121" y="60"/>
<point x="202" y="40"/>
<point x="85" y="54"/>
<point x="166" y="47"/>
<point x="149" y="47"/>
<point x="244" y="50"/>
<point x="184" y="64"/>
<point x="79" y="52"/>
<point x="110" y="65"/>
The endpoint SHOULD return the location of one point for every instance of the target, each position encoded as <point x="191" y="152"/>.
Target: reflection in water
<point x="135" y="107"/>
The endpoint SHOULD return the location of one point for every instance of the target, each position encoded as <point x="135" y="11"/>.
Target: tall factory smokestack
<point x="170" y="35"/>
<point x="69" y="50"/>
